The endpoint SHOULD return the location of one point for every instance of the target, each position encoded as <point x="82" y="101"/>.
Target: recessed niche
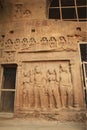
<point x="11" y="32"/>
<point x="33" y="30"/>
<point x="3" y="36"/>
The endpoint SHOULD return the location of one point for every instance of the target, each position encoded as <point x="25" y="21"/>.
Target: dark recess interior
<point x="8" y="86"/>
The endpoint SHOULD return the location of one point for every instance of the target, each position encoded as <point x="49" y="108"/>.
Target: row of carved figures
<point x="52" y="91"/>
<point x="26" y="43"/>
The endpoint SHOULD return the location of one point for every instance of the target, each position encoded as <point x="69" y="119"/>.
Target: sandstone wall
<point x="22" y="9"/>
<point x="48" y="58"/>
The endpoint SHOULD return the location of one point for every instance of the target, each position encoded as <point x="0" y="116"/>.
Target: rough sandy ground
<point x="27" y="124"/>
<point x="62" y="120"/>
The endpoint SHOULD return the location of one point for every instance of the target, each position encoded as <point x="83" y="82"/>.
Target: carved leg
<point x="42" y="97"/>
<point x="36" y="93"/>
<point x="26" y="99"/>
<point x="57" y="98"/>
<point x="63" y="96"/>
<point x="50" y="98"/>
<point x="31" y="97"/>
<point x="70" y="99"/>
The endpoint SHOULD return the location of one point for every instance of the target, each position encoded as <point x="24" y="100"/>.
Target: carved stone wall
<point x="46" y="85"/>
<point x="22" y="9"/>
<point x="49" y="72"/>
<point x="41" y="36"/>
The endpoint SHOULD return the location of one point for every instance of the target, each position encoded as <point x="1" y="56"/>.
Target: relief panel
<point x="44" y="44"/>
<point x="46" y="85"/>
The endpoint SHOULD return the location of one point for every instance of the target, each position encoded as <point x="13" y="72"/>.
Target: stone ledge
<point x="59" y="115"/>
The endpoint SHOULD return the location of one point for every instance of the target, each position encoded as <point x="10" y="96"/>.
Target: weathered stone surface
<point x="46" y="53"/>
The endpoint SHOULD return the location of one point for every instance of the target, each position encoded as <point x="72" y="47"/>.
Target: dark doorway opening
<point x="8" y="88"/>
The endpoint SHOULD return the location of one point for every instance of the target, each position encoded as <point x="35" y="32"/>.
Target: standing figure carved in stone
<point x="66" y="86"/>
<point x="18" y="10"/>
<point x="31" y="89"/>
<point x="38" y="87"/>
<point x="25" y="90"/>
<point x="53" y="89"/>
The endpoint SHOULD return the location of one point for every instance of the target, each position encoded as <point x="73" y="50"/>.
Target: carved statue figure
<point x="25" y="43"/>
<point x="32" y="42"/>
<point x="38" y="87"/>
<point x="25" y="90"/>
<point x="53" y="42"/>
<point x="62" y="42"/>
<point x="16" y="43"/>
<point x="18" y="10"/>
<point x="44" y="41"/>
<point x="53" y="89"/>
<point x="9" y="44"/>
<point x="66" y="86"/>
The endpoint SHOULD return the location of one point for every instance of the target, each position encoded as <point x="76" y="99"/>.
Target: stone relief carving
<point x="78" y="35"/>
<point x="24" y="43"/>
<point x="66" y="88"/>
<point x="49" y="88"/>
<point x="44" y="41"/>
<point x="62" y="41"/>
<point x="20" y="11"/>
<point x="53" y="42"/>
<point x="32" y="42"/>
<point x="26" y="13"/>
<point x="53" y="89"/>
<point x="9" y="44"/>
<point x="38" y="87"/>
<point x="60" y="44"/>
<point x="25" y="90"/>
<point x="17" y="43"/>
<point x="9" y="56"/>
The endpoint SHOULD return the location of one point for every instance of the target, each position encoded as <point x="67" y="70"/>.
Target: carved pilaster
<point x="18" y="87"/>
<point x="74" y="77"/>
